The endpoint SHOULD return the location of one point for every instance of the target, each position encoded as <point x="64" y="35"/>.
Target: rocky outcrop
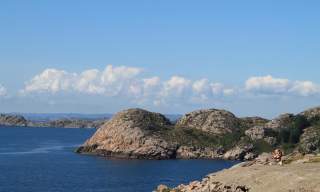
<point x="281" y="122"/>
<point x="311" y="113"/>
<point x="310" y="140"/>
<point x="239" y="152"/>
<point x="187" y="152"/>
<point x="253" y="121"/>
<point x="261" y="133"/>
<point x="12" y="120"/>
<point x="133" y="133"/>
<point x="212" y="121"/>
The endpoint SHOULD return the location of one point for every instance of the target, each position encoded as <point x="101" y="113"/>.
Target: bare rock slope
<point x="131" y="134"/>
<point x="212" y="121"/>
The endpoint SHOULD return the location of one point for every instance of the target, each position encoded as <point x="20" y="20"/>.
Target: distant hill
<point x="83" y="116"/>
<point x="57" y="116"/>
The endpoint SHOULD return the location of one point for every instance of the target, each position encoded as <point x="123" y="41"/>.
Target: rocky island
<point x="206" y="134"/>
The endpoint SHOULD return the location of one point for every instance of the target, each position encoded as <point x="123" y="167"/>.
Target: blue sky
<point x="264" y="52"/>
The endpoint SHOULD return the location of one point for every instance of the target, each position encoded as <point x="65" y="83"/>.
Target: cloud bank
<point x="126" y="82"/>
<point x="269" y="85"/>
<point x="131" y="84"/>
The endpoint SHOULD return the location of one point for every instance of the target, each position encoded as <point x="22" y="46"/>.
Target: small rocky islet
<point x="21" y="121"/>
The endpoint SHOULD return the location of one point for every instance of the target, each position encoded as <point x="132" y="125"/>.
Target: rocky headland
<point x="206" y="134"/>
<point x="20" y="121"/>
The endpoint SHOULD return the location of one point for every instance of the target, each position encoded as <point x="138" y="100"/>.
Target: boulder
<point x="133" y="133"/>
<point x="213" y="121"/>
<point x="238" y="152"/>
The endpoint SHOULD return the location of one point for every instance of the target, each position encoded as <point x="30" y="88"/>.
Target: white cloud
<point x="128" y="83"/>
<point x="89" y="82"/>
<point x="176" y="86"/>
<point x="115" y="74"/>
<point x="3" y="91"/>
<point x="201" y="86"/>
<point x="305" y="88"/>
<point x="267" y="84"/>
<point x="110" y="81"/>
<point x="50" y="80"/>
<point x="151" y="82"/>
<point x="228" y="91"/>
<point x="271" y="85"/>
<point x="220" y="89"/>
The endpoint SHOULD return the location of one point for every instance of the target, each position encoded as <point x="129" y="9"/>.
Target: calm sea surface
<point x="42" y="160"/>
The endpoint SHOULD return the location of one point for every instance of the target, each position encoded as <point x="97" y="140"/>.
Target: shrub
<point x="290" y="136"/>
<point x="262" y="146"/>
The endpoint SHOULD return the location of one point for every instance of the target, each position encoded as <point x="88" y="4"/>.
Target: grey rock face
<point x="131" y="134"/>
<point x="260" y="132"/>
<point x="212" y="121"/>
<point x="12" y="120"/>
<point x="238" y="152"/>
<point x="253" y="121"/>
<point x="256" y="132"/>
<point x="311" y="113"/>
<point x="185" y="152"/>
<point x="310" y="140"/>
<point x="280" y="122"/>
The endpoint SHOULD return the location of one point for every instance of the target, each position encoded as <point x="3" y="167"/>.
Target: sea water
<point x="42" y="160"/>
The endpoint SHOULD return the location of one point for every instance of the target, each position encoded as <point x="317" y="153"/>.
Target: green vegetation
<point x="198" y="138"/>
<point x="292" y="134"/>
<point x="261" y="146"/>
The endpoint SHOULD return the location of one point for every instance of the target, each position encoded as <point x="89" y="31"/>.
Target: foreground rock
<point x="132" y="134"/>
<point x="302" y="174"/>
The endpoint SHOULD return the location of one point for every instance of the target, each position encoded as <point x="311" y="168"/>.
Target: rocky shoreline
<point x="20" y="121"/>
